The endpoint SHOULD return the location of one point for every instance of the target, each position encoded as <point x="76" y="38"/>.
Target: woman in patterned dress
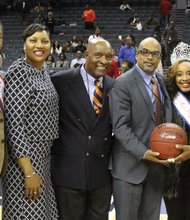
<point x="31" y="119"/>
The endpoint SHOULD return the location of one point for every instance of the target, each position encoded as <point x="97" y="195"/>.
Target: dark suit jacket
<point x="133" y="121"/>
<point x="81" y="154"/>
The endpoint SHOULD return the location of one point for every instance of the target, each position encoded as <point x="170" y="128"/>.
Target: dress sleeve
<point x="18" y="89"/>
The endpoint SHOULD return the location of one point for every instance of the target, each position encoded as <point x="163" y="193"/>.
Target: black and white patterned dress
<point x="31" y="119"/>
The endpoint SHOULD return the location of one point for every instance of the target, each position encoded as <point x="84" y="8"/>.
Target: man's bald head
<point x="98" y="41"/>
<point x="149" y="40"/>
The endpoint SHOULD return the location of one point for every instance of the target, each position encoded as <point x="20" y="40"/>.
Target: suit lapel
<point x="141" y="85"/>
<point x="106" y="86"/>
<point x="167" y="103"/>
<point x="160" y="80"/>
<point x="77" y="85"/>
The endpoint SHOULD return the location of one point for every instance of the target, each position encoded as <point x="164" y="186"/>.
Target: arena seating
<point x="111" y="20"/>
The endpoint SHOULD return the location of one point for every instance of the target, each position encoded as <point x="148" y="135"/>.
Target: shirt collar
<point x="87" y="77"/>
<point x="147" y="78"/>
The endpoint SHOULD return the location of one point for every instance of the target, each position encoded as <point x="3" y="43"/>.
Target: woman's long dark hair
<point x="53" y="45"/>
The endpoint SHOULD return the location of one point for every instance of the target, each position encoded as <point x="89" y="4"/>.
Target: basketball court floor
<point x="163" y="215"/>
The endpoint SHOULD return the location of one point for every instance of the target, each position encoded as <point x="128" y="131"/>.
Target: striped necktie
<point x="157" y="100"/>
<point x="97" y="98"/>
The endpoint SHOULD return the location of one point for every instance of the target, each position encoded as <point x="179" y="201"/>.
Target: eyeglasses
<point x="146" y="53"/>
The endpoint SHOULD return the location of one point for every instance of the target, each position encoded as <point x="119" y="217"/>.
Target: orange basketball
<point x="164" y="137"/>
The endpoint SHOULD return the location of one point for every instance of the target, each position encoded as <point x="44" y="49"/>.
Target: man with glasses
<point x="138" y="173"/>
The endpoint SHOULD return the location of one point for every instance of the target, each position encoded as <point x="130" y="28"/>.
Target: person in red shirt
<point x="164" y="9"/>
<point x="89" y="17"/>
<point x="113" y="72"/>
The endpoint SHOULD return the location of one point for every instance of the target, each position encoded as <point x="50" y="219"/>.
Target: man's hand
<point x="153" y="156"/>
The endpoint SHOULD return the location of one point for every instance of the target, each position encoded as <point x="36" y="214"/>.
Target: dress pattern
<point x="31" y="120"/>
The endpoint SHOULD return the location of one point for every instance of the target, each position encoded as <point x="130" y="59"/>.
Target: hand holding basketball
<point x="154" y="157"/>
<point x="185" y="155"/>
<point x="164" y="139"/>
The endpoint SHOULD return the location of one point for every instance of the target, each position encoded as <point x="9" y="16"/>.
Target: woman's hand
<point x="33" y="184"/>
<point x="32" y="181"/>
<point x="185" y="155"/>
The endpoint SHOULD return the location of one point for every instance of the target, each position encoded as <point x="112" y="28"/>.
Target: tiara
<point x="180" y="52"/>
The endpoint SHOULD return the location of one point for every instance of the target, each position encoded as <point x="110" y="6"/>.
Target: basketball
<point x="164" y="137"/>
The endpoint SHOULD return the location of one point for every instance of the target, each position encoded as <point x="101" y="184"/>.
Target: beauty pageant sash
<point x="182" y="105"/>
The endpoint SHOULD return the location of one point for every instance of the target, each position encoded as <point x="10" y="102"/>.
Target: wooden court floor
<point x="162" y="216"/>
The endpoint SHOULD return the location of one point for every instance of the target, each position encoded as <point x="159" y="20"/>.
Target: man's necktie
<point x="157" y="100"/>
<point x="97" y="98"/>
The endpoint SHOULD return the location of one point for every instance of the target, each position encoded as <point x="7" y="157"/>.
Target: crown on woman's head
<point x="180" y="52"/>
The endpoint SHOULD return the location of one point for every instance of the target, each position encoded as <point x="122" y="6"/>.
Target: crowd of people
<point x="45" y="14"/>
<point x="78" y="136"/>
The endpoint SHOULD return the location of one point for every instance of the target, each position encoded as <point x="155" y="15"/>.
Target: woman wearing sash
<point x="178" y="85"/>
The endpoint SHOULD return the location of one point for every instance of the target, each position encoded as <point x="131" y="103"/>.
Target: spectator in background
<point x="74" y="42"/>
<point x="150" y="21"/>
<point x="79" y="60"/>
<point x="138" y="25"/>
<point x="171" y="40"/>
<point x="80" y="46"/>
<point x="39" y="8"/>
<point x="113" y="72"/>
<point x="122" y="42"/>
<point x="89" y="17"/>
<point x="50" y="22"/>
<point x="67" y="47"/>
<point x="164" y="9"/>
<point x="96" y="34"/>
<point x="24" y="9"/>
<point x="128" y="52"/>
<point x="125" y="7"/>
<point x="39" y="19"/>
<point x="132" y="20"/>
<point x="62" y="62"/>
<point x="56" y="48"/>
<point x="123" y="67"/>
<point x="50" y="61"/>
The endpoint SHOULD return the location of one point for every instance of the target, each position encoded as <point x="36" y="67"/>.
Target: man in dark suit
<point x="138" y="174"/>
<point x="81" y="154"/>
